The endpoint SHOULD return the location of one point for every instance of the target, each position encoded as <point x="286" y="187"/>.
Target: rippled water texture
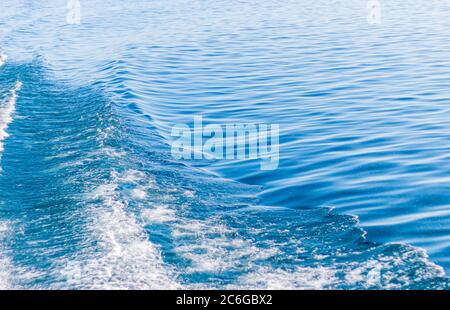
<point x="90" y="196"/>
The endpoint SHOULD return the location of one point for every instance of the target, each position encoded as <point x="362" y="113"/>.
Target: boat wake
<point x="7" y="109"/>
<point x="90" y="198"/>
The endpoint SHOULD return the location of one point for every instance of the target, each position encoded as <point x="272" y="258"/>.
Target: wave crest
<point x="3" y="59"/>
<point x="7" y="110"/>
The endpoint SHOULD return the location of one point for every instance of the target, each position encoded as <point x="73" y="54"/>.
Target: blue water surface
<point x="91" y="197"/>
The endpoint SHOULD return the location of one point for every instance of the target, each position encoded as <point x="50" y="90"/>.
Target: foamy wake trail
<point x="125" y="258"/>
<point x="6" y="113"/>
<point x="5" y="264"/>
<point x="7" y="109"/>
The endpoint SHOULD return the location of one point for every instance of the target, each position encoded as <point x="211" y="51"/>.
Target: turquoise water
<point x="90" y="196"/>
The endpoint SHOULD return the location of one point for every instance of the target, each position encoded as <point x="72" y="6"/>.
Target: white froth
<point x="158" y="214"/>
<point x="189" y="194"/>
<point x="7" y="110"/>
<point x="216" y="247"/>
<point x="138" y="193"/>
<point x="126" y="259"/>
<point x="302" y="278"/>
<point x="5" y="264"/>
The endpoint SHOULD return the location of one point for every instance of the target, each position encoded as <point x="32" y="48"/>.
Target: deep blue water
<point x="90" y="196"/>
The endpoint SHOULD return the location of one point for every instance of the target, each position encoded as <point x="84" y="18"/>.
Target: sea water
<point x="91" y="196"/>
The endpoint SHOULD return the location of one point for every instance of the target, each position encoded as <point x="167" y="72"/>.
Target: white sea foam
<point x="7" y="110"/>
<point x="215" y="247"/>
<point x="13" y="276"/>
<point x="138" y="193"/>
<point x="158" y="214"/>
<point x="303" y="278"/>
<point x="394" y="271"/>
<point x="125" y="258"/>
<point x="5" y="264"/>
